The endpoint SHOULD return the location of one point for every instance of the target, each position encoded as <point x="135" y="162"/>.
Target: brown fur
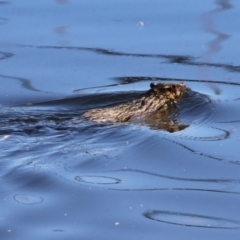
<point x="155" y="105"/>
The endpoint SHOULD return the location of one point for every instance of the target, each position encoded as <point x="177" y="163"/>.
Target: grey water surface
<point x="63" y="177"/>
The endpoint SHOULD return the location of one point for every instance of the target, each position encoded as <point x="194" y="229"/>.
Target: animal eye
<point x="152" y="85"/>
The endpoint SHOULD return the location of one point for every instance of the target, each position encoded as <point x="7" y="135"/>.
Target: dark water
<point x="67" y="178"/>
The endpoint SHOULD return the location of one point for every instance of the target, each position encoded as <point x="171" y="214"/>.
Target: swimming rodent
<point x="153" y="108"/>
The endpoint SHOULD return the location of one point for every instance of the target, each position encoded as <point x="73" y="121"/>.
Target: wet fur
<point x="159" y="102"/>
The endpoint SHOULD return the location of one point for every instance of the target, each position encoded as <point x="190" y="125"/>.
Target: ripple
<point x="24" y="82"/>
<point x="97" y="179"/>
<point x="27" y="199"/>
<point x="204" y="133"/>
<point x="197" y="108"/>
<point x="5" y="55"/>
<point x="138" y="180"/>
<point x="199" y="112"/>
<point x="191" y="220"/>
<point x="233" y="160"/>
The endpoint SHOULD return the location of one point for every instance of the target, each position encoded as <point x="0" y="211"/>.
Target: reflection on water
<point x="214" y="45"/>
<point x="208" y="24"/>
<point x="81" y="179"/>
<point x="97" y="179"/>
<point x="139" y="180"/>
<point x="50" y="139"/>
<point x="192" y="220"/>
<point x="5" y="55"/>
<point x="27" y="199"/>
<point x="179" y="59"/>
<point x="25" y="83"/>
<point x="202" y="114"/>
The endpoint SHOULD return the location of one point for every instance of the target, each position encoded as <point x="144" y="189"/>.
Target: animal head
<point x="170" y="90"/>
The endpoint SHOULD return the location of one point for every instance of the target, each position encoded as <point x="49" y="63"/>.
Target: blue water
<point x="67" y="178"/>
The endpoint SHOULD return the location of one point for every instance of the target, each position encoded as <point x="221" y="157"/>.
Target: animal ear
<point x="153" y="85"/>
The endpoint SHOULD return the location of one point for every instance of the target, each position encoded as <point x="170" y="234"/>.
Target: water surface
<point x="67" y="178"/>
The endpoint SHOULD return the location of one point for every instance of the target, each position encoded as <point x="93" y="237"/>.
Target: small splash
<point x="27" y="199"/>
<point x="97" y="179"/>
<point x="192" y="220"/>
